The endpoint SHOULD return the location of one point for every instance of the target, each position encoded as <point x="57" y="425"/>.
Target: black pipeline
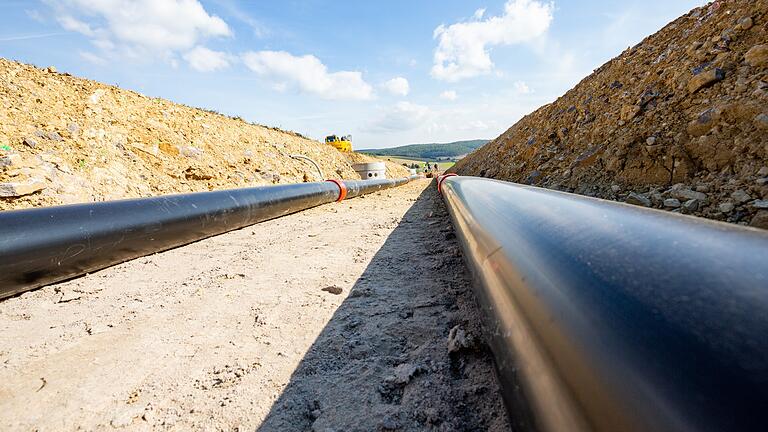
<point x="45" y="245"/>
<point x="610" y="317"/>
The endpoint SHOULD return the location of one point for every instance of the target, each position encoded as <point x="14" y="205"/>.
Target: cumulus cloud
<point x="307" y="74"/>
<point x="521" y="87"/>
<point x="463" y="48"/>
<point x="397" y="86"/>
<point x="205" y="60"/>
<point x="403" y="116"/>
<point x="448" y="95"/>
<point x="140" y="27"/>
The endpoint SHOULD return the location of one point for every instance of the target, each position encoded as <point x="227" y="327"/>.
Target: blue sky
<point x="389" y="72"/>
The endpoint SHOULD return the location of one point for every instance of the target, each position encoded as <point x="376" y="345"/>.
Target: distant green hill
<point x="429" y="151"/>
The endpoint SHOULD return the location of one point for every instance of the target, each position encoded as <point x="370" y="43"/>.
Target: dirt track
<point x="236" y="332"/>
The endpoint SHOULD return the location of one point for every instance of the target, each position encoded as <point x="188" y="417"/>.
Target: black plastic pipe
<point x="610" y="317"/>
<point x="45" y="245"/>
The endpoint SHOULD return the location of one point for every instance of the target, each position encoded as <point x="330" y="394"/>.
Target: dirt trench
<point x="336" y="318"/>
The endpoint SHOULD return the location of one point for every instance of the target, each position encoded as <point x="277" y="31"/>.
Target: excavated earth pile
<point x="679" y="121"/>
<point x="65" y="140"/>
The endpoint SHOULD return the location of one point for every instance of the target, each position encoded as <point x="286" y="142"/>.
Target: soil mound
<point x="65" y="140"/>
<point x="679" y="121"/>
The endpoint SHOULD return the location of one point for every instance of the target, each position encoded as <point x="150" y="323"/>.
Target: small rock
<point x="458" y="339"/>
<point x="390" y="423"/>
<point x="762" y="181"/>
<point x="760" y="220"/>
<point x="95" y="98"/>
<point x="684" y="194"/>
<point x="651" y="140"/>
<point x="406" y="371"/>
<point x="29" y="142"/>
<point x="615" y="188"/>
<point x="637" y="199"/>
<point x="54" y="136"/>
<point x="10" y="160"/>
<point x="702" y="124"/>
<point x="690" y="206"/>
<point x="761" y="121"/>
<point x="762" y="172"/>
<point x="671" y="203"/>
<point x="705" y="79"/>
<point x="744" y="23"/>
<point x="757" y="55"/>
<point x="628" y="112"/>
<point x="760" y="204"/>
<point x="702" y="188"/>
<point x="10" y="190"/>
<point x="50" y="69"/>
<point x="333" y="289"/>
<point x="726" y="207"/>
<point x="740" y="196"/>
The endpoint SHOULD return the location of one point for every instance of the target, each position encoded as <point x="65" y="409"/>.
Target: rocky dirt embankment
<point x="679" y="121"/>
<point x="65" y="140"/>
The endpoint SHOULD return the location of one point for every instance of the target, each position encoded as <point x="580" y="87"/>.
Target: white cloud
<point x="140" y="27"/>
<point x="308" y="74"/>
<point x="75" y="25"/>
<point x="449" y="95"/>
<point x="397" y="86"/>
<point x="205" y="60"/>
<point x="521" y="87"/>
<point x="92" y="58"/>
<point x="463" y="48"/>
<point x="403" y="116"/>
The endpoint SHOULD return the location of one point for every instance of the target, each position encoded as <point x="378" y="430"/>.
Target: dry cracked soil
<point x="350" y="316"/>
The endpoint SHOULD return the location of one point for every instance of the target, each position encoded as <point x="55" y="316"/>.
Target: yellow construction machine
<point x="343" y="144"/>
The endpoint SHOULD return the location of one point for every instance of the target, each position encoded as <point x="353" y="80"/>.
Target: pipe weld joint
<point x="441" y="179"/>
<point x="342" y="189"/>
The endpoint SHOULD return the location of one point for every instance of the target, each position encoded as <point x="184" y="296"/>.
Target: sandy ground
<point x="236" y="332"/>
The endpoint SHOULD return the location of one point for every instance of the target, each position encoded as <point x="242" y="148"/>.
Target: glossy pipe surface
<point x="44" y="245"/>
<point x="610" y="317"/>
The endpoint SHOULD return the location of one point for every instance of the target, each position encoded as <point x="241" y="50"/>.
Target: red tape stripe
<point x="342" y="189"/>
<point x="441" y="179"/>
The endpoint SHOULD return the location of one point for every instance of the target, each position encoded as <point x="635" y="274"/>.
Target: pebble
<point x="705" y="79"/>
<point x="762" y="172"/>
<point x="744" y="23"/>
<point x="390" y="423"/>
<point x="637" y="199"/>
<point x="10" y="190"/>
<point x="761" y="121"/>
<point x="691" y="206"/>
<point x="760" y="204"/>
<point x="29" y="142"/>
<point x="333" y="289"/>
<point x="726" y="207"/>
<point x="757" y="55"/>
<point x="615" y="188"/>
<point x="760" y="220"/>
<point x="740" y="196"/>
<point x="687" y="194"/>
<point x="671" y="203"/>
<point x="458" y="339"/>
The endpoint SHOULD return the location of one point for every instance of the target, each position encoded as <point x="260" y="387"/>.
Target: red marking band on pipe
<point x="342" y="189"/>
<point x="441" y="179"/>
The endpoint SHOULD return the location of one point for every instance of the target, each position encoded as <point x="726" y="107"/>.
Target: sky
<point x="388" y="72"/>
